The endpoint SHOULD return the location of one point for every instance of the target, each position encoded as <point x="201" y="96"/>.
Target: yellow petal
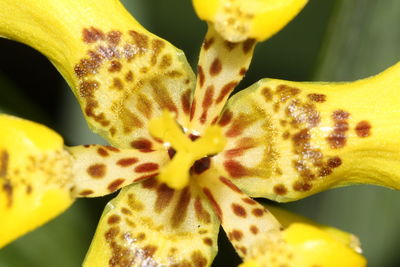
<point x="121" y="74"/>
<point x="221" y="67"/>
<point x="288" y="140"/>
<point x="149" y="224"/>
<point x="35" y="177"/>
<point x="238" y="20"/>
<point x="303" y="245"/>
<point x="101" y="170"/>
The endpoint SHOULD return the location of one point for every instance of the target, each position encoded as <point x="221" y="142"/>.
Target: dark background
<point x="331" y="40"/>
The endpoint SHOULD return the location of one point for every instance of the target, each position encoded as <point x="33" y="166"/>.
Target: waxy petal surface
<point x="121" y="74"/>
<point x="100" y="170"/>
<point x="35" y="177"/>
<point x="149" y="224"/>
<point x="288" y="140"/>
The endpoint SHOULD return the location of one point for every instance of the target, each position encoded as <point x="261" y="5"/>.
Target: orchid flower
<point x="187" y="156"/>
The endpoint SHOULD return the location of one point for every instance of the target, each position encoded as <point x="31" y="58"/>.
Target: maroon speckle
<point x="141" y="143"/>
<point x="235" y="168"/>
<point x="201" y="165"/>
<point x="363" y="129"/>
<point x="92" y="35"/>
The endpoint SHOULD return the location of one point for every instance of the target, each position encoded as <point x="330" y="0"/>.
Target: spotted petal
<point x="121" y="74"/>
<point x="35" y="177"/>
<point x="288" y="140"/>
<point x="101" y="170"/>
<point x="149" y="224"/>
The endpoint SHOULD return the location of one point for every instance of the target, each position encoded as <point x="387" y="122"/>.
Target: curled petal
<point x="35" y="177"/>
<point x="121" y="74"/>
<point x="101" y="170"/>
<point x="238" y="20"/>
<point x="149" y="224"/>
<point x="288" y="140"/>
<point x="303" y="245"/>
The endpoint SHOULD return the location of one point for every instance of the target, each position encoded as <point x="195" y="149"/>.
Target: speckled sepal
<point x="100" y="170"/>
<point x="149" y="224"/>
<point x="288" y="140"/>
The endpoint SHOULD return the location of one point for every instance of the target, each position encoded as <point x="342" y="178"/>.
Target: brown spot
<point x="267" y="93"/>
<point x="113" y="219"/>
<point x="164" y="197"/>
<point x="286" y="135"/>
<point x="280" y="189"/>
<point x="114" y="37"/>
<point x="225" y="91"/>
<point x="248" y="45"/>
<point x="185" y="101"/>
<point x="141" y="40"/>
<point x="141" y="236"/>
<point x="324" y="171"/>
<point x="102" y="152"/>
<point x="216" y="67"/>
<point x="334" y="162"/>
<point x="8" y="189"/>
<point x="201" y="214"/>
<point x="166" y="61"/>
<point x="111" y="233"/>
<point x="193" y="109"/>
<point x="201" y="165"/>
<point x="86" y="192"/>
<point x="258" y="212"/>
<point x="254" y="229"/>
<point x="112" y="149"/>
<point x="29" y="189"/>
<point x="214" y="203"/>
<point x="162" y="95"/>
<point x="242" y="71"/>
<point x="230" y="45"/>
<point x="317" y="97"/>
<point x="285" y="92"/>
<point x="115" y="184"/>
<point x="340" y="115"/>
<point x="147" y="167"/>
<point x="363" y="129"/>
<point x="181" y="208"/>
<point x="208" y="241"/>
<point x="249" y="201"/>
<point x="87" y="88"/>
<point x="235" y="169"/>
<point x="141" y="143"/>
<point x="207" y="43"/>
<point x="150" y="183"/>
<point x="201" y="75"/>
<point x="97" y="170"/>
<point x="92" y="35"/>
<point x="144" y="105"/>
<point x="229" y="184"/>
<point x="134" y="204"/>
<point x="302" y="186"/>
<point x="115" y="66"/>
<point x="4" y="158"/>
<point x="236" y="235"/>
<point x="239" y="210"/>
<point x="118" y="84"/>
<point x="126" y="162"/>
<point x="126" y="211"/>
<point x="89" y="65"/>
<point x="129" y="76"/>
<point x="157" y="46"/>
<point x="198" y="259"/>
<point x="225" y="118"/>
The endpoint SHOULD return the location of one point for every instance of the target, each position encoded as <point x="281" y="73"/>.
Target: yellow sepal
<point x="238" y="20"/>
<point x="35" y="177"/>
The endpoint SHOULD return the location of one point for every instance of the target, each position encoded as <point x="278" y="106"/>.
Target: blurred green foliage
<point x="331" y="40"/>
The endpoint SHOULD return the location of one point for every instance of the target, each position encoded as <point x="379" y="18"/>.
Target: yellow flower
<point x="186" y="157"/>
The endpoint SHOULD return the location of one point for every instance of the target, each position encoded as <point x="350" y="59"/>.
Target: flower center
<point x="176" y="173"/>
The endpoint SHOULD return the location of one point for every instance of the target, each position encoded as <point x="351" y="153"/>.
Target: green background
<point x="331" y="40"/>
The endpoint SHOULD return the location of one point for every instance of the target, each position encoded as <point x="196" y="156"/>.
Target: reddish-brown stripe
<point x="150" y="182"/>
<point x="208" y="97"/>
<point x="115" y="184"/>
<point x="207" y="43"/>
<point x="102" y="152"/>
<point x="141" y="143"/>
<point x="126" y="162"/>
<point x="229" y="184"/>
<point x="201" y="75"/>
<point x="86" y="192"/>
<point x="185" y="101"/>
<point x="164" y="197"/>
<point x="146" y="167"/>
<point x="258" y="212"/>
<point x="181" y="208"/>
<point x="249" y="201"/>
<point x="248" y="45"/>
<point x="235" y="169"/>
<point x="225" y="118"/>
<point x="225" y="91"/>
<point x="113" y="149"/>
<point x="214" y="203"/>
<point x="201" y="214"/>
<point x="145" y="177"/>
<point x="193" y="109"/>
